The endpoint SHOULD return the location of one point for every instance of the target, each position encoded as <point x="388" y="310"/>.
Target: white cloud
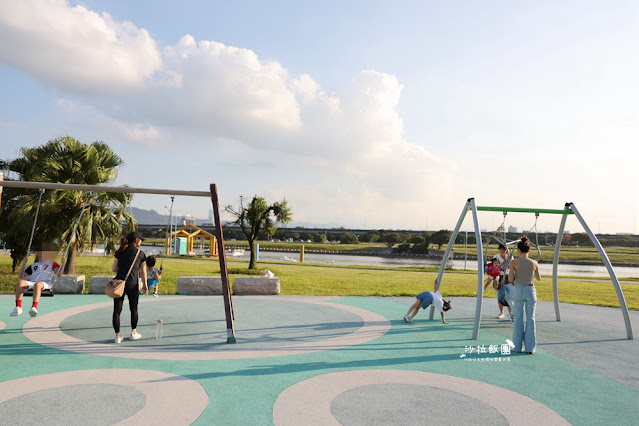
<point x="351" y="142"/>
<point x="75" y="48"/>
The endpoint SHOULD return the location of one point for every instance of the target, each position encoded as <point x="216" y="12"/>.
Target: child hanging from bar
<point x="154" y="275"/>
<point x="426" y="299"/>
<point x="37" y="277"/>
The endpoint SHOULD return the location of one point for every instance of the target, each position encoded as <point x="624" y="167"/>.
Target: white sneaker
<point x="406" y="318"/>
<point x="509" y="317"/>
<point x="118" y="339"/>
<point x="135" y="336"/>
<point x="16" y="311"/>
<point x="500" y="316"/>
<point x="155" y="295"/>
<point x="33" y="311"/>
<point x="483" y="291"/>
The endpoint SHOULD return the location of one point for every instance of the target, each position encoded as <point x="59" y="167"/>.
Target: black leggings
<point x="133" y="293"/>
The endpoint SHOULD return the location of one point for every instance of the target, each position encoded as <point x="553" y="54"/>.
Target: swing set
<point x="49" y="292"/>
<point x="569" y="209"/>
<point x="212" y="194"/>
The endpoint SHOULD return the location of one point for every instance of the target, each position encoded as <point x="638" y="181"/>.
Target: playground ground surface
<point x="312" y="360"/>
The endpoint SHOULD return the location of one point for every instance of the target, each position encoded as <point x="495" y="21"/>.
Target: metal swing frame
<point x="569" y="209"/>
<point x="212" y="194"/>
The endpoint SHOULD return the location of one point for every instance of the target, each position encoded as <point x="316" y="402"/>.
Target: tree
<point x="258" y="217"/>
<point x="581" y="238"/>
<point x="67" y="160"/>
<point x="440" y="237"/>
<point x="417" y="239"/>
<point x="348" y="238"/>
<point x="371" y="236"/>
<point x="391" y="239"/>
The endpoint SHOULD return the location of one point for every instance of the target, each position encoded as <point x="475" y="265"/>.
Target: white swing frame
<point x="569" y="209"/>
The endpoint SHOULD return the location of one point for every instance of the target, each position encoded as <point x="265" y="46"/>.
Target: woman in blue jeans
<point x="521" y="272"/>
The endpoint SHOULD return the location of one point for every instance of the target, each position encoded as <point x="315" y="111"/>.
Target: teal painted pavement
<point x="566" y="374"/>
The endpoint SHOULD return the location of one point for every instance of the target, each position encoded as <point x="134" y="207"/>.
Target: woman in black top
<point x="124" y="257"/>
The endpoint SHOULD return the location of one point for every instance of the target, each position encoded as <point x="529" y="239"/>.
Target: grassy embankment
<point x="315" y="279"/>
<point x="620" y="256"/>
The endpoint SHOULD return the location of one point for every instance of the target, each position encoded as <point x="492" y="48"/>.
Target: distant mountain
<point x="150" y="217"/>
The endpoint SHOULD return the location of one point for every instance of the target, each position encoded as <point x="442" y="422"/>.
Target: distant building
<point x="513" y="229"/>
<point x="188" y="220"/>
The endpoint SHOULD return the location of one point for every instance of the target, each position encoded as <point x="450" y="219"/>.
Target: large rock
<point x="98" y="283"/>
<point x="68" y="284"/>
<point x="199" y="285"/>
<point x="256" y="285"/>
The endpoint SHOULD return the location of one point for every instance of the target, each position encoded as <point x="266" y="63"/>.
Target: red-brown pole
<point x="226" y="288"/>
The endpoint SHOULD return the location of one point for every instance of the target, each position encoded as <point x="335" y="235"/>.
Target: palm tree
<point x="67" y="160"/>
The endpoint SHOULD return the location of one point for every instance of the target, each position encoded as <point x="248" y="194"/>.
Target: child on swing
<point x="153" y="275"/>
<point x="36" y="277"/>
<point x="426" y="299"/>
<point x="493" y="272"/>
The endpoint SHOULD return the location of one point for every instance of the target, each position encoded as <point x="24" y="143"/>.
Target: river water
<point x="337" y="259"/>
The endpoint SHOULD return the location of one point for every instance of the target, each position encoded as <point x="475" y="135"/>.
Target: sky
<point x="363" y="114"/>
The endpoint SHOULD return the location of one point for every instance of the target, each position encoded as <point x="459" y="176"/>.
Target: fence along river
<point x="348" y="259"/>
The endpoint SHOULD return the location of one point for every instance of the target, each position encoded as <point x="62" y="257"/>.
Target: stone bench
<point x="199" y="285"/>
<point x="98" y="283"/>
<point x="256" y="285"/>
<point x="68" y="284"/>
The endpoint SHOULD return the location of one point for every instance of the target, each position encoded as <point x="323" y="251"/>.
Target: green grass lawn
<point x="316" y="279"/>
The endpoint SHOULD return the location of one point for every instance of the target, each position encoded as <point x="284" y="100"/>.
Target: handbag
<point x="115" y="287"/>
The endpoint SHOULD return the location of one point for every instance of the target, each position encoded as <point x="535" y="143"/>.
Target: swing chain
<point x="35" y="220"/>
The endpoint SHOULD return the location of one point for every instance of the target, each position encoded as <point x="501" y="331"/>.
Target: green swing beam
<point x="522" y="210"/>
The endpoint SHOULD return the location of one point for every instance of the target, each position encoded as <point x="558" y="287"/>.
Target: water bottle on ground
<point x="158" y="329"/>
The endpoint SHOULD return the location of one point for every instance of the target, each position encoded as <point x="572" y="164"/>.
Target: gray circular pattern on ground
<point x="408" y="404"/>
<point x="310" y="401"/>
<point x="45" y="330"/>
<point x="75" y="405"/>
<point x="168" y="398"/>
<point x="199" y="324"/>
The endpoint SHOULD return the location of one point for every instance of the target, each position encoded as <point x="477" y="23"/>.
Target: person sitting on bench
<point x="36" y="277"/>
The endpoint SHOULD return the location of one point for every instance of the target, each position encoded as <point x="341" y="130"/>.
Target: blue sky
<point x="365" y="114"/>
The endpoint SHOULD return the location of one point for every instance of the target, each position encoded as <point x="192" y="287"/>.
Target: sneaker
<point x="155" y="295"/>
<point x="500" y="316"/>
<point x="16" y="311"/>
<point x="33" y="311"/>
<point x="118" y="339"/>
<point x="406" y="318"/>
<point x="509" y="317"/>
<point x="135" y="336"/>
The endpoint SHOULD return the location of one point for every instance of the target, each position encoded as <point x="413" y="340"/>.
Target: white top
<point x="438" y="301"/>
<point x="41" y="271"/>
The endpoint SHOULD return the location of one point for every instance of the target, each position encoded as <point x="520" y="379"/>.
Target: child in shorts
<point x="426" y="299"/>
<point x="153" y="275"/>
<point x="36" y="277"/>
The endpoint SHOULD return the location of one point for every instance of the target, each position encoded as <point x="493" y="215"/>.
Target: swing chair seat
<point x="47" y="292"/>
